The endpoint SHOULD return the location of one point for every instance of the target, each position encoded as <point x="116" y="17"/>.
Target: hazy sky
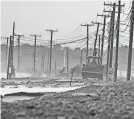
<point x="35" y="17"/>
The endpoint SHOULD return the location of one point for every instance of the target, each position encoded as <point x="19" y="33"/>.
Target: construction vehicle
<point x="93" y="68"/>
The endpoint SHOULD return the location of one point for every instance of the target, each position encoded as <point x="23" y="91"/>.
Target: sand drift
<point x="5" y="91"/>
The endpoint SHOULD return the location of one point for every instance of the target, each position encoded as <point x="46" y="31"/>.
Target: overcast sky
<point x="35" y="17"/>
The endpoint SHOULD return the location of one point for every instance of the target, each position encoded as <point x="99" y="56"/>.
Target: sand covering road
<point x="114" y="101"/>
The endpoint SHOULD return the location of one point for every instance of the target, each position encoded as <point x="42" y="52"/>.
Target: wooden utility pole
<point x="13" y="39"/>
<point x="55" y="67"/>
<point x="67" y="60"/>
<point x="9" y="75"/>
<point x="99" y="46"/>
<point x="87" y="25"/>
<point x="112" y="37"/>
<point x="10" y="67"/>
<point x="130" y="42"/>
<point x="19" y="50"/>
<point x="51" y="31"/>
<point x="95" y="52"/>
<point x="117" y="41"/>
<point x="43" y="63"/>
<point x="108" y="49"/>
<point x="7" y="50"/>
<point x="81" y="59"/>
<point x="103" y="34"/>
<point x="112" y="34"/>
<point x="65" y="57"/>
<point x="107" y="65"/>
<point x="48" y="61"/>
<point x="34" y="53"/>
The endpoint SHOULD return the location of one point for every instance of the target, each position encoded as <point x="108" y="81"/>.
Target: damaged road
<point x="114" y="101"/>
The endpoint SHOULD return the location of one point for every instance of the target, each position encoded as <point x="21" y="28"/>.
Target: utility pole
<point x="7" y="49"/>
<point x="13" y="38"/>
<point x="55" y="67"/>
<point x="48" y="61"/>
<point x="112" y="31"/>
<point x="117" y="41"/>
<point x="19" y="50"/>
<point x="130" y="42"/>
<point x="81" y="59"/>
<point x="43" y="63"/>
<point x="103" y="34"/>
<point x="67" y="60"/>
<point x="99" y="46"/>
<point x="108" y="49"/>
<point x="65" y="57"/>
<point x="34" y="54"/>
<point x="98" y="24"/>
<point x="87" y="25"/>
<point x="107" y="65"/>
<point x="112" y="35"/>
<point x="51" y="31"/>
<point x="10" y="67"/>
<point x="9" y="61"/>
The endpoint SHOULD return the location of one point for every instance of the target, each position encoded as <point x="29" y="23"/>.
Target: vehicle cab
<point x="93" y="61"/>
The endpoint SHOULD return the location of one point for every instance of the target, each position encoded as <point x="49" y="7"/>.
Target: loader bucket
<point x="94" y="75"/>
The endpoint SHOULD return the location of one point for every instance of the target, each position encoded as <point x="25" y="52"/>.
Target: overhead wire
<point x="72" y="37"/>
<point x="72" y="41"/>
<point x="126" y="26"/>
<point x="32" y="40"/>
<point x="76" y="29"/>
<point x="126" y="17"/>
<point x="78" y="36"/>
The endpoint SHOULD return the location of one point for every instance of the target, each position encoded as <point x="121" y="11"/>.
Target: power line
<point x="72" y="41"/>
<point x="72" y="37"/>
<point x="126" y="27"/>
<point x="79" y="36"/>
<point x="74" y="31"/>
